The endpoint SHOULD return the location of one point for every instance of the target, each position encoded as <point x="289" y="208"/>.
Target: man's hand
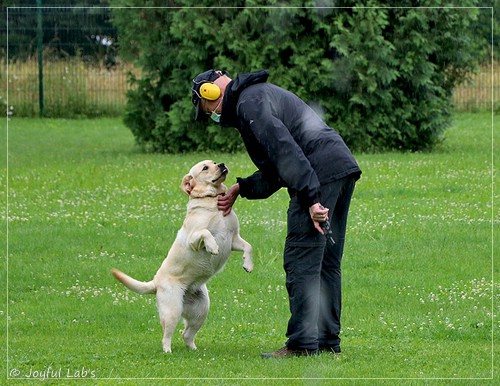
<point x="225" y="202"/>
<point x="318" y="214"/>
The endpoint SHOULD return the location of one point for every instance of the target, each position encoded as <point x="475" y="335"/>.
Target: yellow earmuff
<point x="210" y="91"/>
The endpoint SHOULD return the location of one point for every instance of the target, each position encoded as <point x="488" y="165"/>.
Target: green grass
<point x="82" y="199"/>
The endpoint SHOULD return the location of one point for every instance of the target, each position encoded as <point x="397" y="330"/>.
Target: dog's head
<point x="205" y="179"/>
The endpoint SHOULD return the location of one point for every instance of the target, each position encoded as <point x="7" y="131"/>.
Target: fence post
<point x="40" y="55"/>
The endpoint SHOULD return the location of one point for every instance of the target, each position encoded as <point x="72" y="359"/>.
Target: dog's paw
<point x="213" y="251"/>
<point x="247" y="264"/>
<point x="192" y="346"/>
<point x="212" y="248"/>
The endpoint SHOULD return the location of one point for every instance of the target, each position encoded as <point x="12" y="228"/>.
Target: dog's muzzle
<point x="223" y="171"/>
<point x="223" y="168"/>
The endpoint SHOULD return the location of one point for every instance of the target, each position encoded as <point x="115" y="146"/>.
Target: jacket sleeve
<point x="290" y="162"/>
<point x="257" y="186"/>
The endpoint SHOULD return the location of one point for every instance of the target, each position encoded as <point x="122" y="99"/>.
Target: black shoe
<point x="330" y="349"/>
<point x="286" y="352"/>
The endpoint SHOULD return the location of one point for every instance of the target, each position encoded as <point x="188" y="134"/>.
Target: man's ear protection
<point x="210" y="91"/>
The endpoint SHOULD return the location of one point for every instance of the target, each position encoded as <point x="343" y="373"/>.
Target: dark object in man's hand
<point x="328" y="232"/>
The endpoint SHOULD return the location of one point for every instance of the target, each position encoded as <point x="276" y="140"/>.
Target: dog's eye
<point x="205" y="167"/>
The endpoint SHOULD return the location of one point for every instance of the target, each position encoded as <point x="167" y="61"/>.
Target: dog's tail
<point x="140" y="287"/>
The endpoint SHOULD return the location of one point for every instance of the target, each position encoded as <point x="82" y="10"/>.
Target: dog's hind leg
<point x="196" y="306"/>
<point x="241" y="245"/>
<point x="169" y="300"/>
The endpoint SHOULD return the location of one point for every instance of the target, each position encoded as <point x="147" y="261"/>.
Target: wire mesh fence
<point x="63" y="62"/>
<point x="480" y="92"/>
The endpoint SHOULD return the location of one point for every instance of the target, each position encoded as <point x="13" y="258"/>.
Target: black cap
<point x="207" y="76"/>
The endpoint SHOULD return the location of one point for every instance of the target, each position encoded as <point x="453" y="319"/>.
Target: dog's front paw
<point x="247" y="264"/>
<point x="212" y="248"/>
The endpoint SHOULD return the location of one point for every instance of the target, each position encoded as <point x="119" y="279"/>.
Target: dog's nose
<point x="222" y="166"/>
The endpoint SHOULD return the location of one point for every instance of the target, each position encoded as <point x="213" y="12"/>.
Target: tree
<point x="381" y="75"/>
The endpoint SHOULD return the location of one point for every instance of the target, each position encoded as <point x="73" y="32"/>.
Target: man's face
<point x="208" y="106"/>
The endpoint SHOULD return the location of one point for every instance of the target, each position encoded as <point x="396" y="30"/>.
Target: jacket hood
<point x="233" y="91"/>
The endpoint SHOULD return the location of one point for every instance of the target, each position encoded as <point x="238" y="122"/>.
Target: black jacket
<point x="288" y="142"/>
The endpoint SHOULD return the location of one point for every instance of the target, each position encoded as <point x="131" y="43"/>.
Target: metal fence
<point x="63" y="62"/>
<point x="481" y="92"/>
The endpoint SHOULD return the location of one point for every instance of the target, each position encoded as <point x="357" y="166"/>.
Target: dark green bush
<point x="382" y="76"/>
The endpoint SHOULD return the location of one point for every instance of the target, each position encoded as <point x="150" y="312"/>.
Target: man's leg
<point x="337" y="197"/>
<point x="303" y="254"/>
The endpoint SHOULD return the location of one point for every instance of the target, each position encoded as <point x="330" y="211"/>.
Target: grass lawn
<point x="420" y="302"/>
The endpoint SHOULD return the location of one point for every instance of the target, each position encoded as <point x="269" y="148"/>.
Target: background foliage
<point x="383" y="77"/>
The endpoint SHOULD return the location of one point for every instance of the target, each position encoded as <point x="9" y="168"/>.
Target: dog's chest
<point x="222" y="229"/>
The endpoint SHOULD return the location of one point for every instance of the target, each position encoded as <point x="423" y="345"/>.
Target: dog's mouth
<point x="223" y="173"/>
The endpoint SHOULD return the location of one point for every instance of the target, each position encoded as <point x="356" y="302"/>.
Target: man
<point x="292" y="147"/>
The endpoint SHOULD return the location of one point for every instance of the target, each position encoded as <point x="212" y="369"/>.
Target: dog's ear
<point x="187" y="184"/>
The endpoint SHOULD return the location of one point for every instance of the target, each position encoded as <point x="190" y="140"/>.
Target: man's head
<point x="207" y="92"/>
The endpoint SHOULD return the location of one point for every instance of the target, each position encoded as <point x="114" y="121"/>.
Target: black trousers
<point x="313" y="273"/>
